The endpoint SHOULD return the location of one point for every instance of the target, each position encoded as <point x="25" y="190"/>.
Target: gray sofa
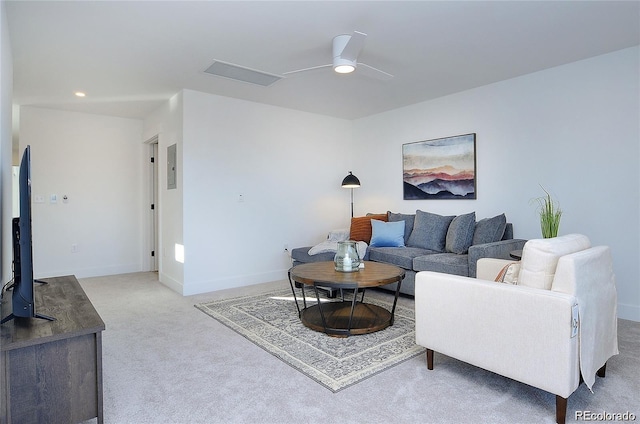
<point x="448" y="244"/>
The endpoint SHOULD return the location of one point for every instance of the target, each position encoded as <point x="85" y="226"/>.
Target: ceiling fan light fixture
<point x="344" y="69"/>
<point x="346" y="49"/>
<point x="342" y="65"/>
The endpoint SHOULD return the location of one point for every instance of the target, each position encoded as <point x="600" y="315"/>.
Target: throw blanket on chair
<point x="589" y="275"/>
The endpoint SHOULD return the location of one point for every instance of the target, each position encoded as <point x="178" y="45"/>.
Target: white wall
<point x="287" y="165"/>
<point x="96" y="161"/>
<point x="574" y="129"/>
<point x="166" y="123"/>
<point x="6" y="92"/>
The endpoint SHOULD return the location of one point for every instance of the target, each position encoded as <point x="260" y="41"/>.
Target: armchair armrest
<point x="499" y="249"/>
<point x="489" y="268"/>
<point x="518" y="332"/>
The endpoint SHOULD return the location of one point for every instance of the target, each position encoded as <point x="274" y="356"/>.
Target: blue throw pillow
<point x="387" y="234"/>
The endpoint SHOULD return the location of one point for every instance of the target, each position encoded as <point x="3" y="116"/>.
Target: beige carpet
<point x="165" y="361"/>
<point x="270" y="320"/>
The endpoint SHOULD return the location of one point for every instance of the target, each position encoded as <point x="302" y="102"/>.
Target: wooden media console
<point x="51" y="371"/>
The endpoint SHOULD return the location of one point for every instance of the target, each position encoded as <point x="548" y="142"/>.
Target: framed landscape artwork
<point x="444" y="168"/>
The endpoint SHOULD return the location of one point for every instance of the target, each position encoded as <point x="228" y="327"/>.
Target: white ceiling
<point x="130" y="56"/>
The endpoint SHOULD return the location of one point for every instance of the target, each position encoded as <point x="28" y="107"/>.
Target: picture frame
<point x="442" y="168"/>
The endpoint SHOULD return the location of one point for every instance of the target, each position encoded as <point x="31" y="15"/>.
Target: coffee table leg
<point x="295" y="298"/>
<point x="304" y="297"/>
<point x="343" y="332"/>
<point x="324" y="322"/>
<point x="395" y="302"/>
<point x="353" y="308"/>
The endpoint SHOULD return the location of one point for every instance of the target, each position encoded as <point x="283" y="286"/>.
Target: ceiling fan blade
<point x="354" y="46"/>
<point x="372" y="72"/>
<point x="299" y="71"/>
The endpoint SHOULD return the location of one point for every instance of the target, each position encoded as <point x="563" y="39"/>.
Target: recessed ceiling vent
<point x="235" y="72"/>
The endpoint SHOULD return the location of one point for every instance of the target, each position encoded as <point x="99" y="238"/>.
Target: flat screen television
<point x="23" y="294"/>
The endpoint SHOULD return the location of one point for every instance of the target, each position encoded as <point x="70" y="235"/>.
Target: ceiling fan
<point x="346" y="49"/>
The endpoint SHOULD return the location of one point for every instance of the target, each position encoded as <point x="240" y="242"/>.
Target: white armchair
<point x="553" y="329"/>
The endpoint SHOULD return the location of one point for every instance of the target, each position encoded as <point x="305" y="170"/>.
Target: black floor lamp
<point x="351" y="181"/>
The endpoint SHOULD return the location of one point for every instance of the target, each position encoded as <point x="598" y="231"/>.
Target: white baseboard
<point x="233" y="282"/>
<point x="91" y="272"/>
<point x="173" y="284"/>
<point x="630" y="312"/>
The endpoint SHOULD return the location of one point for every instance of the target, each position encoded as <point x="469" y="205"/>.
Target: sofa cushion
<point x="508" y="232"/>
<point x="540" y="258"/>
<point x="402" y="257"/>
<point x="387" y="234"/>
<point x="429" y="231"/>
<point x="408" y="222"/>
<point x="450" y="263"/>
<point x="460" y="233"/>
<point x="301" y="254"/>
<point x="361" y="226"/>
<point x="489" y="230"/>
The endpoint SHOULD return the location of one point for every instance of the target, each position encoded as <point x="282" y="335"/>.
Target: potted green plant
<point x="550" y="214"/>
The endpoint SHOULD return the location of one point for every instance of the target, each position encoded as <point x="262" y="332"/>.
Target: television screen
<point x="23" y="296"/>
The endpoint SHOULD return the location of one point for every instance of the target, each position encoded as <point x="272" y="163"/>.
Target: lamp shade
<point x="350" y="181"/>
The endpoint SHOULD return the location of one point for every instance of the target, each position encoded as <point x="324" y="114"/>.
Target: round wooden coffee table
<point x="345" y="317"/>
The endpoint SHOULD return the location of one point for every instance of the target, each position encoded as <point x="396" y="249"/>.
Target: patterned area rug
<point x="270" y="320"/>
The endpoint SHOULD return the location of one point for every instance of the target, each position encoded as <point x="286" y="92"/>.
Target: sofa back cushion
<point x="489" y="230"/>
<point x="408" y="222"/>
<point x="540" y="258"/>
<point x="508" y="232"/>
<point x="460" y="233"/>
<point x="361" y="227"/>
<point x="429" y="231"/>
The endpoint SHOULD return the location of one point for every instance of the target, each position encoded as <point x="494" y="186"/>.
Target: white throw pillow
<point x="540" y="258"/>
<point x="509" y="273"/>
